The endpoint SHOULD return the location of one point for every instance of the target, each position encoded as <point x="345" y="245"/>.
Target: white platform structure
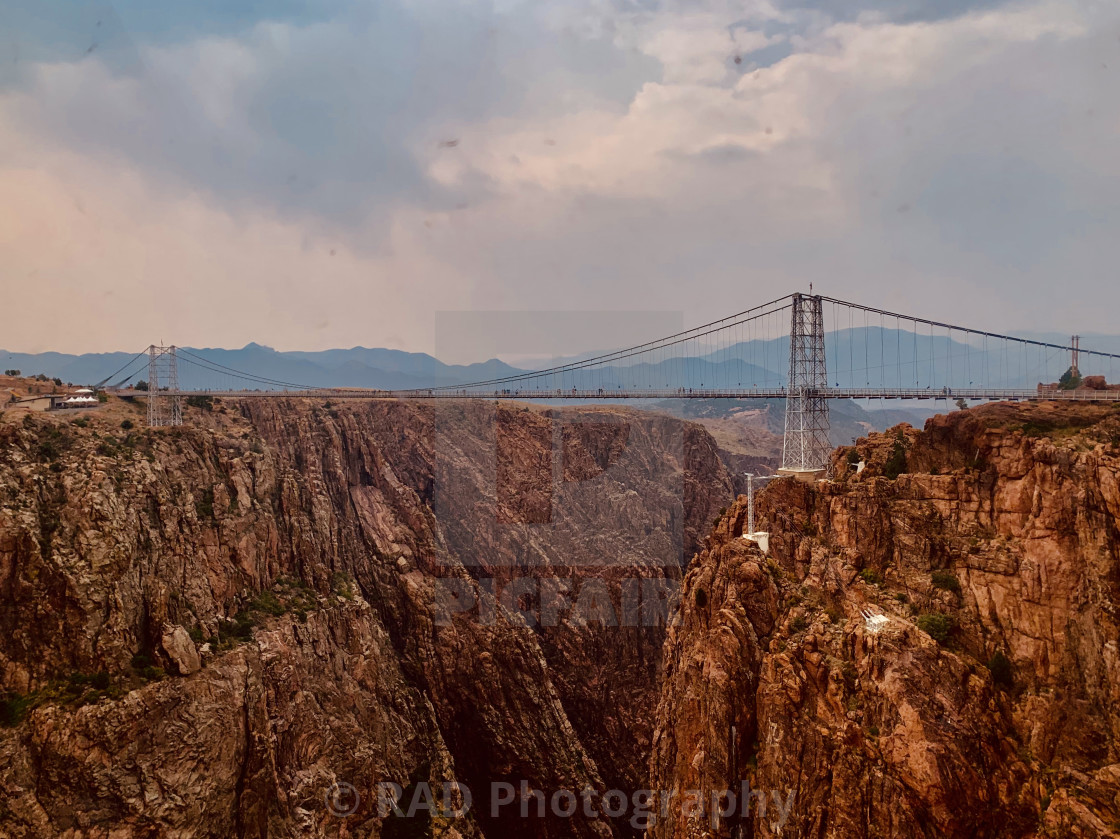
<point x="873" y="622"/>
<point x="759" y="537"/>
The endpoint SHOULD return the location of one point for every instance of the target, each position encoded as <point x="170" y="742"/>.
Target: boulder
<point x="180" y="649"/>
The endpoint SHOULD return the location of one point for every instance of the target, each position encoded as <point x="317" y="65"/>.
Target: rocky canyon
<point x="206" y="628"/>
<point x="249" y="625"/>
<point x="929" y="649"/>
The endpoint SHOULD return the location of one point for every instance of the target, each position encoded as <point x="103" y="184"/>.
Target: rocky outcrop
<point x="243" y="626"/>
<point x="984" y="699"/>
<point x="227" y="629"/>
<point x="180" y="650"/>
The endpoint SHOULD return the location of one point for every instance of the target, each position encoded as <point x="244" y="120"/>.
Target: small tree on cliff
<point x="1069" y="380"/>
<point x="937" y="626"/>
<point x="896" y="462"/>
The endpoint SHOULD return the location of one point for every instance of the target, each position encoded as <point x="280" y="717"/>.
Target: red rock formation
<point x="206" y="628"/>
<point x="1006" y="520"/>
<point x="310" y="545"/>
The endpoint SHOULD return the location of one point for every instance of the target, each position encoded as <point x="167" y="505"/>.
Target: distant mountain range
<point x="859" y="357"/>
<point x="356" y="367"/>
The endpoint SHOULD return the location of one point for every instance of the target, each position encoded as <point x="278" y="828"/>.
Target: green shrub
<point x="799" y="624"/>
<point x="13" y="708"/>
<point x="853" y="456"/>
<point x="946" y="580"/>
<point x="153" y="674"/>
<point x="1000" y="667"/>
<point x="774" y="569"/>
<point x="203" y="403"/>
<point x="140" y="661"/>
<point x="49" y="523"/>
<point x="937" y="626"/>
<point x="204" y="504"/>
<point x="342" y="585"/>
<point x="873" y="731"/>
<point x="871" y="576"/>
<point x="240" y="627"/>
<point x="127" y="425"/>
<point x="268" y="603"/>
<point x="77" y="682"/>
<point x="896" y="462"/>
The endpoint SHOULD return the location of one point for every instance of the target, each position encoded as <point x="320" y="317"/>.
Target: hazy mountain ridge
<point x="869" y="356"/>
<point x="354" y="367"/>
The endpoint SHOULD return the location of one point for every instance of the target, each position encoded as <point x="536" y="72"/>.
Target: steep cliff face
<point x="214" y="630"/>
<point x="995" y="530"/>
<point x="206" y="628"/>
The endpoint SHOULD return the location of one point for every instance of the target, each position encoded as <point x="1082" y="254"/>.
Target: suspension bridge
<point x="779" y="350"/>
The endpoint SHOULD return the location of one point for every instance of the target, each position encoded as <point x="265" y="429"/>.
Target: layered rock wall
<point x="996" y="530"/>
<point x="206" y="628"/>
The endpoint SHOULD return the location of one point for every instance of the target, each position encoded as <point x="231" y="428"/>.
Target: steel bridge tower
<point x="805" y="450"/>
<point x="164" y="407"/>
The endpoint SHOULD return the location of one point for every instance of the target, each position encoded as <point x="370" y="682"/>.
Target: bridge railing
<point x="951" y="394"/>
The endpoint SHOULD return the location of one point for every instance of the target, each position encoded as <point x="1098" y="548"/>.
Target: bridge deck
<point x="1080" y="395"/>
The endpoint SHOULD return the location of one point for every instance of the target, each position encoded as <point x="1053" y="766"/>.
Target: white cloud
<point x="608" y="156"/>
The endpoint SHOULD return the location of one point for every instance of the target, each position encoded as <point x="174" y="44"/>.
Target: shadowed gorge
<point x="209" y="628"/>
<point x="211" y="625"/>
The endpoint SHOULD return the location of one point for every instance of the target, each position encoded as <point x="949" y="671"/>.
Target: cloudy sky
<point x="328" y="174"/>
